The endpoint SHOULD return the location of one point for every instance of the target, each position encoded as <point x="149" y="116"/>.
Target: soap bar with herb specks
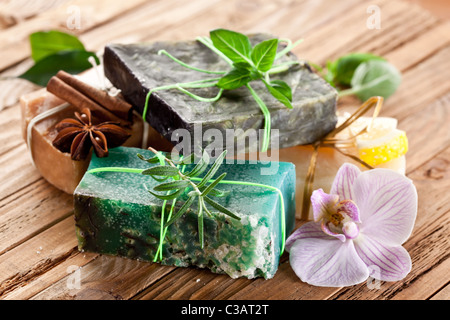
<point x="137" y="68"/>
<point x="116" y="215"/>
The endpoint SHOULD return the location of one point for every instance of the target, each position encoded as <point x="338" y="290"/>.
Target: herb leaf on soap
<point x="234" y="45"/>
<point x="234" y="79"/>
<point x="263" y="54"/>
<point x="247" y="63"/>
<point x="191" y="184"/>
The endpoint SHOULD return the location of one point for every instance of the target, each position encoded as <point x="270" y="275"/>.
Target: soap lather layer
<point x="116" y="215"/>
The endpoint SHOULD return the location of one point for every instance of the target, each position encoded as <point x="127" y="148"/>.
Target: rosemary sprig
<point x="248" y="63"/>
<point x="197" y="188"/>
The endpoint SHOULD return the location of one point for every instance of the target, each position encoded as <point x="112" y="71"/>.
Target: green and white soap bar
<point x="116" y="214"/>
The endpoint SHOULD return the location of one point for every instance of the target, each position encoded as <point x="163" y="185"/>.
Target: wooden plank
<point x="30" y="211"/>
<point x="14" y="41"/>
<point x="107" y="278"/>
<point x="36" y="256"/>
<point x="16" y="170"/>
<point x="396" y="30"/>
<point x="234" y="15"/>
<point x="301" y="18"/>
<point x="420" y="48"/>
<point x="433" y="123"/>
<point x="444" y="294"/>
<point x="256" y="16"/>
<point x="11" y="133"/>
<point x="349" y="32"/>
<point x="429" y="282"/>
<point x="165" y="15"/>
<point x="65" y="269"/>
<point x="13" y="12"/>
<point x="11" y="88"/>
<point x="420" y="86"/>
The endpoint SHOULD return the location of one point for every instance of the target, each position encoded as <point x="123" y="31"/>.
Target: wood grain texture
<point x="38" y="253"/>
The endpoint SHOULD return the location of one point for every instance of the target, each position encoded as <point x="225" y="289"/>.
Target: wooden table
<point x="38" y="247"/>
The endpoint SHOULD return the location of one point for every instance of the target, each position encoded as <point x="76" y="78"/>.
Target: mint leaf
<point x="72" y="62"/>
<point x="283" y="88"/>
<point x="281" y="91"/>
<point x="263" y="54"/>
<point x="234" y="45"/>
<point x="374" y="78"/>
<point x="45" y="43"/>
<point x="243" y="65"/>
<point x="234" y="79"/>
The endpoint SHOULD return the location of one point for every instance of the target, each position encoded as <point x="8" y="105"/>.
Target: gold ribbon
<point x="339" y="144"/>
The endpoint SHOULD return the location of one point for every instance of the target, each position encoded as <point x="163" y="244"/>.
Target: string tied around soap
<point x="339" y="144"/>
<point x="163" y="229"/>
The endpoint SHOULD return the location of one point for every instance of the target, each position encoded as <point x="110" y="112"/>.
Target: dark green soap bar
<point x="137" y="68"/>
<point x="116" y="215"/>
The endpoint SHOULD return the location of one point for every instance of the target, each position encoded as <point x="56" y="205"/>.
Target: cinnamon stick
<point x="118" y="106"/>
<point x="79" y="100"/>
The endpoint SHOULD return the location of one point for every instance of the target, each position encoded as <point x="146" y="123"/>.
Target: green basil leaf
<point x="45" y="43"/>
<point x="282" y="87"/>
<point x="234" y="79"/>
<point x="263" y="54"/>
<point x="344" y="67"/>
<point x="281" y="91"/>
<point x="375" y="78"/>
<point x="242" y="65"/>
<point x="72" y="62"/>
<point x="234" y="45"/>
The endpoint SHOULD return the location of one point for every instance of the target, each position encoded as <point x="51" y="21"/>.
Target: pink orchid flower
<point x="358" y="228"/>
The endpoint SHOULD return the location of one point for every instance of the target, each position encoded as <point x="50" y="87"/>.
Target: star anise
<point x="77" y="136"/>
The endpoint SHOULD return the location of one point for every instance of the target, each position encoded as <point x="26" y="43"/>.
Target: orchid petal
<point x="323" y="204"/>
<point x="308" y="230"/>
<point x="327" y="262"/>
<point x="350" y="209"/>
<point x="343" y="181"/>
<point x="326" y="228"/>
<point x="386" y="263"/>
<point x="387" y="203"/>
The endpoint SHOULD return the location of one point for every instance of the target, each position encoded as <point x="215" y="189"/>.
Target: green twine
<point x="164" y="230"/>
<point x="211" y="83"/>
